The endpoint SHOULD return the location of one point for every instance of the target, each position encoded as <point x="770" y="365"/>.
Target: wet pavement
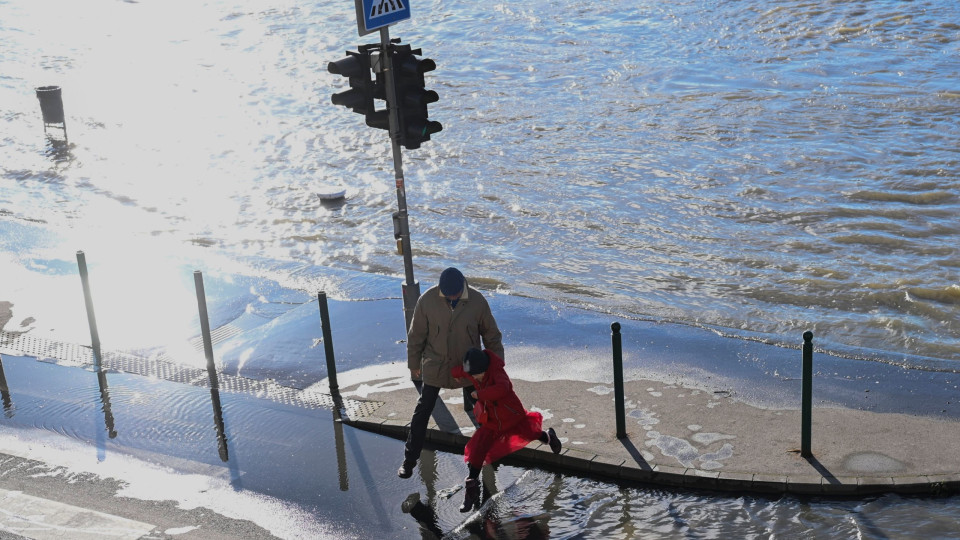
<point x="692" y="438"/>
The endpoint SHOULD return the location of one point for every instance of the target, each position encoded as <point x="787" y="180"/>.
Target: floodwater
<point x="754" y="169"/>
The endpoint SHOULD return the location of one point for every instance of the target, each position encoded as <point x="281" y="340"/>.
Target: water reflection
<point x="5" y="393"/>
<point x="58" y="150"/>
<point x="496" y="519"/>
<point x="218" y="423"/>
<point x="424" y="514"/>
<point x="338" y="441"/>
<point x="105" y="401"/>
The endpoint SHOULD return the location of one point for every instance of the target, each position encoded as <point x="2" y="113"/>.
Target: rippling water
<point x="761" y="168"/>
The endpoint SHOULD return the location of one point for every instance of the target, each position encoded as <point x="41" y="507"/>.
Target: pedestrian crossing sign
<point x="375" y="14"/>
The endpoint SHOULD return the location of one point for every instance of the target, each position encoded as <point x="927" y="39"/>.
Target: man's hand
<point x="415" y="374"/>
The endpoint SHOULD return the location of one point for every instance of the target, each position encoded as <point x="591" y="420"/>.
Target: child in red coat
<point x="505" y="426"/>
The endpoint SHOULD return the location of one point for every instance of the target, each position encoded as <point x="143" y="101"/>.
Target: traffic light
<point x="412" y="97"/>
<point x="356" y="66"/>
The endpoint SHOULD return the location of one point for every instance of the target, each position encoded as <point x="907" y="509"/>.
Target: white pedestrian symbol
<point x="385" y="7"/>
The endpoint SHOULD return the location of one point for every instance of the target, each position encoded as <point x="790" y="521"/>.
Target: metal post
<point x="88" y="300"/>
<point x="618" y="380"/>
<point x="205" y="329"/>
<point x="328" y="341"/>
<point x="807" y="395"/>
<point x="410" y="288"/>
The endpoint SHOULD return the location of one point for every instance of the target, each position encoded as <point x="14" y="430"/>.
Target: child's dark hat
<point x="475" y="361"/>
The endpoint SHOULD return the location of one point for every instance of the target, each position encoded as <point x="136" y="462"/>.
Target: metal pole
<point x="205" y="328"/>
<point x="328" y="341"/>
<point x="807" y="395"/>
<point x="410" y="288"/>
<point x="618" y="380"/>
<point x="88" y="300"/>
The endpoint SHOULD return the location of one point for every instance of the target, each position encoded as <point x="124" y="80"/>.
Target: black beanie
<point x="451" y="281"/>
<point x="475" y="361"/>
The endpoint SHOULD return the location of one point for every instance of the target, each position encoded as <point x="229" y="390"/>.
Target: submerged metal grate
<point x="161" y="368"/>
<point x="25" y="344"/>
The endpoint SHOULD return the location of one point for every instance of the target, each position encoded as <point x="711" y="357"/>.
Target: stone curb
<point x="593" y="465"/>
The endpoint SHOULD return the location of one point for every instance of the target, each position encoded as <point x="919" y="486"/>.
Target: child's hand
<point x="473" y="394"/>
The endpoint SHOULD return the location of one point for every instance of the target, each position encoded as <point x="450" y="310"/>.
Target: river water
<point x="753" y="168"/>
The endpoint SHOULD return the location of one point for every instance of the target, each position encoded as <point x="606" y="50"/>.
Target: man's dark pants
<point x="421" y="417"/>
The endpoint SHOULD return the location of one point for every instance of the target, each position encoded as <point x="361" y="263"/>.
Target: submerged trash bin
<point x="51" y="104"/>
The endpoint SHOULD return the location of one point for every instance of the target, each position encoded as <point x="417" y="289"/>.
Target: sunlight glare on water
<point x="755" y="168"/>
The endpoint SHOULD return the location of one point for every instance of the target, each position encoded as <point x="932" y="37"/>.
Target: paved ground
<point x="38" y="505"/>
<point x="692" y="438"/>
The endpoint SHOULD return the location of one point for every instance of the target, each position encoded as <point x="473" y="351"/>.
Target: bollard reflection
<point x="338" y="439"/>
<point x="105" y="402"/>
<point x="218" y="423"/>
<point x="5" y="393"/>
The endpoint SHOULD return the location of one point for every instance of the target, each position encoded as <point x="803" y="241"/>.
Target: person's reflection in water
<point x="519" y="527"/>
<point x="489" y="527"/>
<point x="424" y="514"/>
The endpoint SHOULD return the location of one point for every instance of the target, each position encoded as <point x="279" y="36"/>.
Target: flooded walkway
<point x="681" y="437"/>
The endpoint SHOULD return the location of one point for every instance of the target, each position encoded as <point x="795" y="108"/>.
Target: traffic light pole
<point x="410" y="288"/>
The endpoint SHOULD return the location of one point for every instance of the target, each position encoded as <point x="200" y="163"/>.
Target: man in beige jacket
<point x="449" y="319"/>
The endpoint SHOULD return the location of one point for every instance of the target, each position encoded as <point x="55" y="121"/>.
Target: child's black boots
<point x="471" y="497"/>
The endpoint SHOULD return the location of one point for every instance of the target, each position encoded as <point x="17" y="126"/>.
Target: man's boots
<point x="471" y="497"/>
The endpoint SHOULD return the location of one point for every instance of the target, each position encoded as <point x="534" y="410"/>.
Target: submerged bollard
<point x="88" y="300"/>
<point x="205" y="329"/>
<point x="806" y="391"/>
<point x="618" y="380"/>
<point x="328" y="341"/>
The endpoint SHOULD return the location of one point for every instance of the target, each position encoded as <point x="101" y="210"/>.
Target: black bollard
<point x="806" y="409"/>
<point x="618" y="381"/>
<point x="205" y="329"/>
<point x="328" y="341"/>
<point x="88" y="300"/>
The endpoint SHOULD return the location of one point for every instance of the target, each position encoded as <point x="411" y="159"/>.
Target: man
<point x="449" y="319"/>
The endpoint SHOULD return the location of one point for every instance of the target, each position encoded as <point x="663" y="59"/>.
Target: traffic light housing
<point x="412" y="96"/>
<point x="356" y="66"/>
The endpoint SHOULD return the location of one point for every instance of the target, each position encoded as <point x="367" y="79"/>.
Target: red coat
<point x="505" y="426"/>
<point x="498" y="406"/>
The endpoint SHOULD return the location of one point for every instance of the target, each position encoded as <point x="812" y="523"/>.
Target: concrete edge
<point x="593" y="465"/>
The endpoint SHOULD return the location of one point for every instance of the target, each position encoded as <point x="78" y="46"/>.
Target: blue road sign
<point x="375" y="14"/>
